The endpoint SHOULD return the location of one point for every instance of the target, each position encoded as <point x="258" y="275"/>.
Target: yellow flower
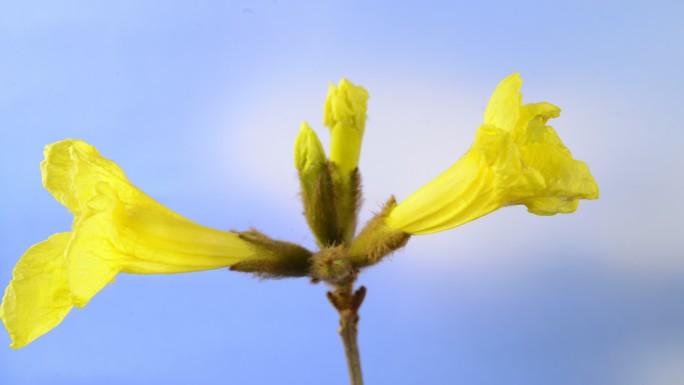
<point x="516" y="159"/>
<point x="116" y="228"/>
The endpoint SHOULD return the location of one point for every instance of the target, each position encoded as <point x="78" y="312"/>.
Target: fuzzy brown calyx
<point x="377" y="240"/>
<point x="347" y="199"/>
<point x="273" y="258"/>
<point x="319" y="206"/>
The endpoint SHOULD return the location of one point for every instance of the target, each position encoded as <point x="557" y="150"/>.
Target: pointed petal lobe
<point x="38" y="297"/>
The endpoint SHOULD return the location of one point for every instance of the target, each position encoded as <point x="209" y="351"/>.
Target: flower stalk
<point x="347" y="301"/>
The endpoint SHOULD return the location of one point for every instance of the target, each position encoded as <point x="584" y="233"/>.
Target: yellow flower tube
<point x="515" y="159"/>
<point x="116" y="228"/>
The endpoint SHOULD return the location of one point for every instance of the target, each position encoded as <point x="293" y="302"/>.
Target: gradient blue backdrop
<point x="200" y="101"/>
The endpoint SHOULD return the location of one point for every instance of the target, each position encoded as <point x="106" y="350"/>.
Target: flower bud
<point x="309" y="155"/>
<point x="318" y="194"/>
<point x="345" y="115"/>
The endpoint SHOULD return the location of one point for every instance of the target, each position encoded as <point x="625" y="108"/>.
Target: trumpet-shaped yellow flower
<point x="516" y="159"/>
<point x="116" y="228"/>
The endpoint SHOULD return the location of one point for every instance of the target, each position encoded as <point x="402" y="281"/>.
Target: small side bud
<point x="377" y="240"/>
<point x="317" y="187"/>
<point x="274" y="259"/>
<point x="309" y="155"/>
<point x="332" y="264"/>
<point x="345" y="115"/>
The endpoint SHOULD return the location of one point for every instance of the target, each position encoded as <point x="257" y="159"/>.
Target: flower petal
<point x="72" y="169"/>
<point x="504" y="105"/>
<point x="567" y="179"/>
<point x="38" y="297"/>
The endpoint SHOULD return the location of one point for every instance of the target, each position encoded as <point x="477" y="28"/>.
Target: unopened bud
<point x="309" y="154"/>
<point x="317" y="187"/>
<point x="345" y="115"/>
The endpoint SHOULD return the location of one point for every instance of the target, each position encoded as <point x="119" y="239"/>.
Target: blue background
<point x="199" y="102"/>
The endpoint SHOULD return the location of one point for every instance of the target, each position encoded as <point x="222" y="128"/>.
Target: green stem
<point x="347" y="302"/>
